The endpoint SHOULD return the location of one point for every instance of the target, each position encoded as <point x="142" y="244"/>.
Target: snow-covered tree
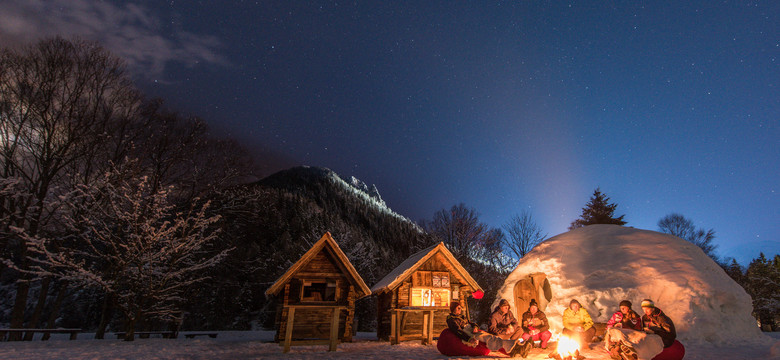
<point x="132" y="243"/>
<point x="598" y="211"/>
<point x="524" y="234"/>
<point x="682" y="227"/>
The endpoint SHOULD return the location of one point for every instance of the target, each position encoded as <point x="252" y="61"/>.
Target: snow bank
<point x="600" y="265"/>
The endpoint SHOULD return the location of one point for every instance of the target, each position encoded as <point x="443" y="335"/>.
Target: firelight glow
<point x="567" y="346"/>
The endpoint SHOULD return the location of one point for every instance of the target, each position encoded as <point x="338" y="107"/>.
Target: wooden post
<point x="430" y="326"/>
<point x="393" y="327"/>
<point x="350" y="314"/>
<point x="288" y="331"/>
<point x="424" y="329"/>
<point x="334" y="329"/>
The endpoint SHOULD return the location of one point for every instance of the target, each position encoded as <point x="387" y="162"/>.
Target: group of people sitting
<point x="509" y="336"/>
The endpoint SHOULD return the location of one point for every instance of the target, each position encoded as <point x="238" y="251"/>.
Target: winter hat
<point x="574" y="301"/>
<point x="453" y="306"/>
<point x="503" y="302"/>
<point x="648" y="303"/>
<point x="625" y="303"/>
<point x="533" y="303"/>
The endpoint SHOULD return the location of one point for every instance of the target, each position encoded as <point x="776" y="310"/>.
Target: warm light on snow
<point x="601" y="265"/>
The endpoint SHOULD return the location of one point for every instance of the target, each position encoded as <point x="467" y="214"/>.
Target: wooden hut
<point x="413" y="300"/>
<point x="318" y="293"/>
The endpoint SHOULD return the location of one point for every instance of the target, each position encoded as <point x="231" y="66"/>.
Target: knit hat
<point x="625" y="303"/>
<point x="533" y="303"/>
<point x="503" y="302"/>
<point x="648" y="303"/>
<point x="454" y="305"/>
<point x="574" y="301"/>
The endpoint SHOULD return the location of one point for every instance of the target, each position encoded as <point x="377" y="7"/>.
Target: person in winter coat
<point x="503" y="324"/>
<point x="535" y="325"/>
<point x="577" y="323"/>
<point x="618" y="333"/>
<point x="654" y="321"/>
<point x="626" y="318"/>
<point x="475" y="339"/>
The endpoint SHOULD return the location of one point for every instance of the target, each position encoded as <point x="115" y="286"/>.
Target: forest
<point x="119" y="214"/>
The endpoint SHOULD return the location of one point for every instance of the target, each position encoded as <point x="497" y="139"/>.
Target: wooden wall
<point x="315" y="323"/>
<point x="399" y="298"/>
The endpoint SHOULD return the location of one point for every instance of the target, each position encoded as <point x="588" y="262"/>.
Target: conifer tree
<point x="598" y="211"/>
<point x="763" y="285"/>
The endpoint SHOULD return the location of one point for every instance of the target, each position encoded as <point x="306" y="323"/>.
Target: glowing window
<point x="430" y="288"/>
<point x="430" y="297"/>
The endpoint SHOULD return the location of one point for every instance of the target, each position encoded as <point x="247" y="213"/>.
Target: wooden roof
<point x="324" y="243"/>
<point x="410" y="265"/>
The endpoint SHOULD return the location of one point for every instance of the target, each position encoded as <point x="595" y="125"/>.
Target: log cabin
<point x="316" y="297"/>
<point x="413" y="300"/>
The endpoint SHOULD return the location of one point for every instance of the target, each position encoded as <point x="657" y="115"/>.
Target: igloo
<point x="600" y="265"/>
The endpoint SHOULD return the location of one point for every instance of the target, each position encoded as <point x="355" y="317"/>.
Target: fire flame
<point x="567" y="346"/>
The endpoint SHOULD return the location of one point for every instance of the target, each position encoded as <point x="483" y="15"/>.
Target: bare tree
<point x="682" y="227"/>
<point x="57" y="101"/>
<point x="524" y="234"/>
<point x="460" y="228"/>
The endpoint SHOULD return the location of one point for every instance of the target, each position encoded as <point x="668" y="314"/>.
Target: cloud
<point x="130" y="31"/>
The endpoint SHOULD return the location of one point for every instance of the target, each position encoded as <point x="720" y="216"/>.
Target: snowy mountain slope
<point x="303" y="178"/>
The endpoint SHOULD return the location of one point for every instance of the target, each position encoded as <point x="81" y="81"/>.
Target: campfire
<point x="567" y="349"/>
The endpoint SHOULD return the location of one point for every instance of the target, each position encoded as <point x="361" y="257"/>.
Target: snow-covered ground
<point x="257" y="345"/>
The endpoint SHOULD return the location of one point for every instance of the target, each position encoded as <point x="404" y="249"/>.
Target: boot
<point x="494" y="342"/>
<point x="518" y="350"/>
<point x="527" y="346"/>
<point x="507" y="345"/>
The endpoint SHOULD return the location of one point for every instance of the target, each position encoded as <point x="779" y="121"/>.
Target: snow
<point x="600" y="265"/>
<point x="259" y="345"/>
<point x="401" y="269"/>
<point x="371" y="196"/>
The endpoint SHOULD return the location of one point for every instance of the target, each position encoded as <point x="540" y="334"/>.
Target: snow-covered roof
<point x="410" y="265"/>
<point x="325" y="240"/>
<point x="600" y="265"/>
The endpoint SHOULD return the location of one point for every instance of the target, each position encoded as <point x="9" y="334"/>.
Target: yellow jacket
<point x="581" y="318"/>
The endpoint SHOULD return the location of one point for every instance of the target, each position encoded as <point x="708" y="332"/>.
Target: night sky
<point x="667" y="106"/>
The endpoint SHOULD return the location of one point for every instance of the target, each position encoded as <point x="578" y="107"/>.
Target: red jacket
<point x="632" y="321"/>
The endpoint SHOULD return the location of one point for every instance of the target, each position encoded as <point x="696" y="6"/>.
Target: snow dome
<point x="600" y="265"/>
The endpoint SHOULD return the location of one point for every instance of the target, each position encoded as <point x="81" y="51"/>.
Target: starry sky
<point x="666" y="106"/>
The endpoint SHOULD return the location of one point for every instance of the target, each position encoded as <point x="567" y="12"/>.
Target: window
<point x="430" y="297"/>
<point x="319" y="290"/>
<point x="430" y="288"/>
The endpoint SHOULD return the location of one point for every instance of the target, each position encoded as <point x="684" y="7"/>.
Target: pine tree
<point x="598" y="211"/>
<point x="763" y="285"/>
